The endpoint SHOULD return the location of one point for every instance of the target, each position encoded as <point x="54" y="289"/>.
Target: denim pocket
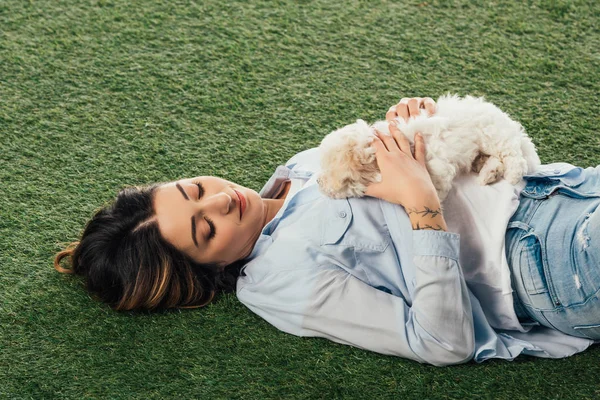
<point x="532" y="265"/>
<point x="529" y="264"/>
<point x="589" y="331"/>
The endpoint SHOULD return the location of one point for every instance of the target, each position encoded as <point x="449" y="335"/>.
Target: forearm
<point x="441" y="307"/>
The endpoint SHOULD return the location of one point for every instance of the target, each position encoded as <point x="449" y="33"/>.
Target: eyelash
<point x="210" y="223"/>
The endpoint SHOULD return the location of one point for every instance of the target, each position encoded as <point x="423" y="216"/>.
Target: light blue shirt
<point x="354" y="271"/>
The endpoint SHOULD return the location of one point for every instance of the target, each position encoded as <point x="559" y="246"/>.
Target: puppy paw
<point x="516" y="167"/>
<point x="491" y="171"/>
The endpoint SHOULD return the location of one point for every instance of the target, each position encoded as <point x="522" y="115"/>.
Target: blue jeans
<point x="553" y="250"/>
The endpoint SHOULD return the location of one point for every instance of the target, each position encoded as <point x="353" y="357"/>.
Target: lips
<point x="243" y="203"/>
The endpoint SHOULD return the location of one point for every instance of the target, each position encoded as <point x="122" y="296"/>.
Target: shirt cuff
<point x="428" y="242"/>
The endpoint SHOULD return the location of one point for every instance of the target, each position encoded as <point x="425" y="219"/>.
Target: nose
<point x="219" y="202"/>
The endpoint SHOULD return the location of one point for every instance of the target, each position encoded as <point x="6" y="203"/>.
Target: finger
<point x="400" y="139"/>
<point x="391" y="114"/>
<point x="378" y="144"/>
<point x="402" y="109"/>
<point x="413" y="107"/>
<point x="387" y="141"/>
<point x="429" y="105"/>
<point x="420" y="149"/>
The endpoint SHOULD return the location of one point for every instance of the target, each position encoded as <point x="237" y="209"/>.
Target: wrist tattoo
<point x="427" y="212"/>
<point x="427" y="226"/>
<point x="423" y="214"/>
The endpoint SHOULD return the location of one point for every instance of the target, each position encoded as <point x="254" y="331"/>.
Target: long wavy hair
<point x="127" y="264"/>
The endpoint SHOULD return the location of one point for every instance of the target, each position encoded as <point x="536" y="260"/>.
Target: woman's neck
<point x="274" y="205"/>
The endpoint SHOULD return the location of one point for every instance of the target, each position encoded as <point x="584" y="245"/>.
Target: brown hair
<point x="127" y="264"/>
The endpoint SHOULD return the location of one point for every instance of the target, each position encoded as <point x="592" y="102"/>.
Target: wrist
<point x="427" y="216"/>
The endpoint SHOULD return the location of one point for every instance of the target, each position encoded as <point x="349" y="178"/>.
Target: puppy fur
<point x="464" y="134"/>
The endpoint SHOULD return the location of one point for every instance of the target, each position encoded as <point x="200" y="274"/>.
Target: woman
<point x="389" y="272"/>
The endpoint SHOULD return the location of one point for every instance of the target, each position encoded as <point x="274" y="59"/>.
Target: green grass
<point x="95" y="95"/>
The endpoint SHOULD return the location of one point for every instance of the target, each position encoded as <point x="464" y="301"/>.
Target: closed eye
<point x="212" y="228"/>
<point x="208" y="220"/>
<point x="200" y="189"/>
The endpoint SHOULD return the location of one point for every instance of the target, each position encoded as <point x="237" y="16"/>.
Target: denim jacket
<point x="352" y="270"/>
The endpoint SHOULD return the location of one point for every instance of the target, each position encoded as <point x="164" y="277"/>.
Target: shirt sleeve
<point x="326" y="301"/>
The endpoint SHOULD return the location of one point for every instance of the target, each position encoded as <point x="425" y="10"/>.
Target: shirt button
<point x="342" y="214"/>
<point x="557" y="171"/>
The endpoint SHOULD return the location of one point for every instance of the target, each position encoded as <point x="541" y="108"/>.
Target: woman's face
<point x="201" y="217"/>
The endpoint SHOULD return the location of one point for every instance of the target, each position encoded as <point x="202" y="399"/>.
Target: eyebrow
<point x="185" y="196"/>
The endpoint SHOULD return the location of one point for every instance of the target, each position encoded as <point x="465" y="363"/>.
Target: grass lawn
<point x="99" y="94"/>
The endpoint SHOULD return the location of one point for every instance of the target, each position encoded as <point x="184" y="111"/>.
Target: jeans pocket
<point x="588" y="331"/>
<point x="532" y="265"/>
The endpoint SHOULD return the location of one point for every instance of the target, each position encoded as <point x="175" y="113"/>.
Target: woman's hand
<point x="405" y="179"/>
<point x="410" y="107"/>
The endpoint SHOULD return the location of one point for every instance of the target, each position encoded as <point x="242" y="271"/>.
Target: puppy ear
<point x="361" y="122"/>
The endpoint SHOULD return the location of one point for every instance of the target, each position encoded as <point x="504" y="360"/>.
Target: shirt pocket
<point x="361" y="229"/>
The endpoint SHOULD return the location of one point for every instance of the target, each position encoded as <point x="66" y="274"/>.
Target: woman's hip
<point x="553" y="250"/>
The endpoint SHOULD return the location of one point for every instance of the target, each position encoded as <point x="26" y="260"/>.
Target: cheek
<point x="231" y="234"/>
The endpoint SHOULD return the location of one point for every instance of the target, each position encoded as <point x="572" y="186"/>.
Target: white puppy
<point x="463" y="135"/>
